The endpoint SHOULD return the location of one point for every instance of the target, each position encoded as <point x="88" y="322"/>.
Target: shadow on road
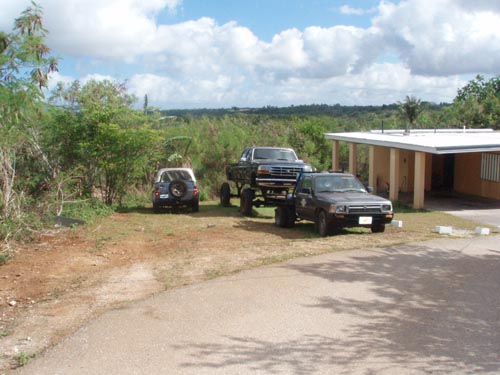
<point x="430" y="311"/>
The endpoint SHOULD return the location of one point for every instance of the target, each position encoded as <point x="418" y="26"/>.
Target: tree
<point x="478" y="102"/>
<point x="24" y="67"/>
<point x="410" y="110"/>
<point x="96" y="130"/>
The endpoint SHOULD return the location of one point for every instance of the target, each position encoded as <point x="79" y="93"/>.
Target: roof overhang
<point x="439" y="141"/>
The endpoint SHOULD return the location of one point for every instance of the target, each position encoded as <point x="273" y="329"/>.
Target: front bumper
<point x="360" y="220"/>
<point x="275" y="182"/>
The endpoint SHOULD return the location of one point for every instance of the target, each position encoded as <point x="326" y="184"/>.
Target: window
<point x="490" y="167"/>
<point x="306" y="184"/>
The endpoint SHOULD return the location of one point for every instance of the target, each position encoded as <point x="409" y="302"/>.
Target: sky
<point x="240" y="53"/>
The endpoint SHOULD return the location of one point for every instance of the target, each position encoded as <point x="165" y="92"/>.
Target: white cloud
<point x="431" y="44"/>
<point x="218" y="91"/>
<point x="101" y="28"/>
<point x="381" y="83"/>
<point x="346" y="9"/>
<point x="442" y="37"/>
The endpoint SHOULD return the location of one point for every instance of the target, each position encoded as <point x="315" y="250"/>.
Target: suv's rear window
<point x="169" y="176"/>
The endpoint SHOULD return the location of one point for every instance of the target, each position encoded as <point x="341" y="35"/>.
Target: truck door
<point x="303" y="198"/>
<point x="243" y="165"/>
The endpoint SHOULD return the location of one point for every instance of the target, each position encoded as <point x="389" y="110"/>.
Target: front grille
<point x="366" y="209"/>
<point x="286" y="172"/>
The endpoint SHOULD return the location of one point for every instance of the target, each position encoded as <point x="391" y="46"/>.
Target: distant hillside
<point x="336" y="110"/>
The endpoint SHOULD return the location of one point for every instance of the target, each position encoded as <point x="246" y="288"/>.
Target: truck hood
<point x="352" y="197"/>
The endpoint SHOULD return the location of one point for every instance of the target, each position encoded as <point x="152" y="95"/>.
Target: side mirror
<point x="243" y="158"/>
<point x="369" y="189"/>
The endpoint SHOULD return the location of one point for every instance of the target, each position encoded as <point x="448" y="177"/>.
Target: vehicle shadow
<point x="210" y="209"/>
<point x="301" y="230"/>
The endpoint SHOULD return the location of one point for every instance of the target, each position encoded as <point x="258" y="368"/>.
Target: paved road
<point x="431" y="307"/>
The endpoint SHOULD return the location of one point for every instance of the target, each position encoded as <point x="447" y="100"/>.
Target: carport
<point x="465" y="161"/>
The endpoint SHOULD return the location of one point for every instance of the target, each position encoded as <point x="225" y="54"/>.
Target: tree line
<point x="84" y="149"/>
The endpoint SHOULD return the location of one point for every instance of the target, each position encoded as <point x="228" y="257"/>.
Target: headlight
<point x="386" y="207"/>
<point x="263" y="169"/>
<point x="307" y="168"/>
<point x="340" y="210"/>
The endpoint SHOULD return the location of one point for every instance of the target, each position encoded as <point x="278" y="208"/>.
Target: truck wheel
<point x="283" y="217"/>
<point x="378" y="228"/>
<point x="246" y="203"/>
<point x="156" y="208"/>
<point x="225" y="195"/>
<point x="324" y="227"/>
<point x="291" y="217"/>
<point x="195" y="206"/>
<point x="280" y="217"/>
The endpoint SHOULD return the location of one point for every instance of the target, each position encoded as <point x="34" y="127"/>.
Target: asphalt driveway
<point x="423" y="308"/>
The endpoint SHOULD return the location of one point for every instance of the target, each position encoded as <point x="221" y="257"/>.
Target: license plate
<point x="365" y="220"/>
<point x="163" y="196"/>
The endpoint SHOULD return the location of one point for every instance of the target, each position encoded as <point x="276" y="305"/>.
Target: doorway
<point x="443" y="173"/>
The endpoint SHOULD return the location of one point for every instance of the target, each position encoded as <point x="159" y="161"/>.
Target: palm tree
<point x="410" y="109"/>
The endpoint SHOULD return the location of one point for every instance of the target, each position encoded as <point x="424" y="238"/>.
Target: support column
<point x="394" y="175"/>
<point x="371" y="168"/>
<point x="419" y="188"/>
<point x="336" y="155"/>
<point x="353" y="158"/>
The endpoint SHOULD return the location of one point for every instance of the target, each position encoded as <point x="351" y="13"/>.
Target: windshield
<point x="274" y="154"/>
<point x="330" y="184"/>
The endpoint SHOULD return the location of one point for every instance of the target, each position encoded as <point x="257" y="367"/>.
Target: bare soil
<point x="70" y="276"/>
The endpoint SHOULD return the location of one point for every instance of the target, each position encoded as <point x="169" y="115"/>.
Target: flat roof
<point x="433" y="141"/>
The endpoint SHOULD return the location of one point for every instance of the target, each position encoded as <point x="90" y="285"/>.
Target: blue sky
<point x="267" y="18"/>
<point x="222" y="53"/>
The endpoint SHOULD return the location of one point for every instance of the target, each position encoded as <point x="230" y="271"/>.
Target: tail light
<point x="157" y="193"/>
<point x="195" y="191"/>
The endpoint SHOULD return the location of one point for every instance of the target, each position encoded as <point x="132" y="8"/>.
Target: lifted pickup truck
<point x="333" y="201"/>
<point x="263" y="177"/>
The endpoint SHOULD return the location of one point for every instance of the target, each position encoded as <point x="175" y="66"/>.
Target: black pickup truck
<point x="262" y="177"/>
<point x="334" y="201"/>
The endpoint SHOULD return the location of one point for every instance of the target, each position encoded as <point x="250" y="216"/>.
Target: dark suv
<point x="175" y="187"/>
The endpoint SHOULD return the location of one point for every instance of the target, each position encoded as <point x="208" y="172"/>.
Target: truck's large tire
<point x="225" y="195"/>
<point x="246" y="202"/>
<point x="283" y="217"/>
<point x="323" y="225"/>
<point x="378" y="228"/>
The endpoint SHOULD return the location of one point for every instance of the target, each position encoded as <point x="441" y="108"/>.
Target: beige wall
<point x="381" y="158"/>
<point x="468" y="177"/>
<point x="406" y="169"/>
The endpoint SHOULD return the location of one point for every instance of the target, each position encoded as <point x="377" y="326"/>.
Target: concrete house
<point x="419" y="161"/>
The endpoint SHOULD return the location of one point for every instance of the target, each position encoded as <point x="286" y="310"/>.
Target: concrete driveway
<point x="482" y="211"/>
<point x="423" y="308"/>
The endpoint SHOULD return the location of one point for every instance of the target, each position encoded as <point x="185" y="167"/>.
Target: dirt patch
<point x="72" y="275"/>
